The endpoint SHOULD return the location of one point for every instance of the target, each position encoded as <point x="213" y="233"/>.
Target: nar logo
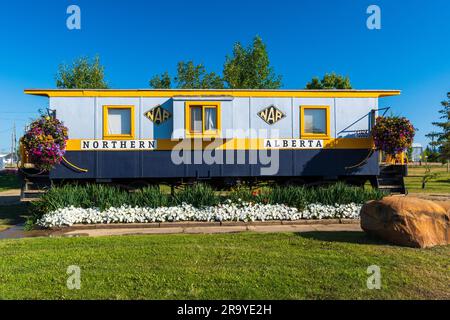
<point x="271" y="115"/>
<point x="158" y="115"/>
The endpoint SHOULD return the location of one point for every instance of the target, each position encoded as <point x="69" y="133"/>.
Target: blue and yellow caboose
<point x="222" y="136"/>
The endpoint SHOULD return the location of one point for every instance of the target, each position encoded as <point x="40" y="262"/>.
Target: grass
<point x="440" y="184"/>
<point x="9" y="181"/>
<point x="316" y="265"/>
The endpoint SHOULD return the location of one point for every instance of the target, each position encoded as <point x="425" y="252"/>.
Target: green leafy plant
<point x="151" y="197"/>
<point x="99" y="196"/>
<point x="246" y="68"/>
<point x="330" y="81"/>
<point x="429" y="175"/>
<point x="249" y="67"/>
<point x="83" y="73"/>
<point x="189" y="76"/>
<point x="299" y="196"/>
<point x="197" y="195"/>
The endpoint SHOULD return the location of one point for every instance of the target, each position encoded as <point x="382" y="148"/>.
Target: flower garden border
<point x="196" y="224"/>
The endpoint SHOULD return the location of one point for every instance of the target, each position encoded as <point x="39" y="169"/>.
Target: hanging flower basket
<point x="45" y="142"/>
<point x="393" y="135"/>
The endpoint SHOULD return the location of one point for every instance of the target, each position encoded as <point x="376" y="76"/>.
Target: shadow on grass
<point x="8" y="181"/>
<point x="356" y="237"/>
<point x="13" y="214"/>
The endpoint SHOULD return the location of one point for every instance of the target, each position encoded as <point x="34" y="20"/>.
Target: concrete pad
<point x="431" y="196"/>
<point x="188" y="224"/>
<point x="250" y="223"/>
<point x="338" y="227"/>
<point x="10" y="192"/>
<point x="282" y="228"/>
<point x="350" y="221"/>
<point x="10" y="197"/>
<point x="312" y="221"/>
<point x="121" y="232"/>
<point x="208" y="229"/>
<point x="216" y="229"/>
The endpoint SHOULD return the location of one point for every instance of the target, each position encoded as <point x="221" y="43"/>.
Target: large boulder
<point x="407" y="221"/>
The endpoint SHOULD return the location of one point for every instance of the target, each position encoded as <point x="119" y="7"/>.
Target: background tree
<point x="189" y="76"/>
<point x="409" y="154"/>
<point x="161" y="81"/>
<point x="443" y="136"/>
<point x="246" y="68"/>
<point x="330" y="81"/>
<point x="81" y="74"/>
<point x="428" y="175"/>
<point x="430" y="155"/>
<point x="249" y="68"/>
<point x="433" y="136"/>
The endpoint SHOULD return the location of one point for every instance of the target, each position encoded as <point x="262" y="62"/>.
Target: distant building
<point x="417" y="151"/>
<point x="2" y="165"/>
<point x="2" y="160"/>
<point x="5" y="160"/>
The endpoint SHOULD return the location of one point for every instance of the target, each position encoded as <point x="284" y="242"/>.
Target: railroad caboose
<point x="221" y="136"/>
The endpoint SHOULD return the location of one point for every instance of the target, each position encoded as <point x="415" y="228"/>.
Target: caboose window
<point x="210" y="118"/>
<point x="315" y="122"/>
<point x="196" y="119"/>
<point x="118" y="122"/>
<point x="203" y="118"/>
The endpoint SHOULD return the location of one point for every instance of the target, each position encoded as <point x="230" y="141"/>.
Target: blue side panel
<point x="159" y="164"/>
<point x="121" y="165"/>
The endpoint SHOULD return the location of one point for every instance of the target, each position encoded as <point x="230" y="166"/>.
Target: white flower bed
<point x="223" y="212"/>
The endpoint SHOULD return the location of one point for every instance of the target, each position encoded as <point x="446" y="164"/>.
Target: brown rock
<point x="445" y="205"/>
<point x="408" y="221"/>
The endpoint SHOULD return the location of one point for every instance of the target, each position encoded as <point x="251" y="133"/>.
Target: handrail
<point x="366" y="115"/>
<point x="349" y="126"/>
<point x="74" y="166"/>
<point x="385" y="108"/>
<point x="362" y="162"/>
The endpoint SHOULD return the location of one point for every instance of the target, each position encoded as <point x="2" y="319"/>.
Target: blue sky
<point x="137" y="39"/>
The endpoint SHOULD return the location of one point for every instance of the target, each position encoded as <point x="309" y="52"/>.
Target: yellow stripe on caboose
<point x="222" y="144"/>
<point x="170" y="93"/>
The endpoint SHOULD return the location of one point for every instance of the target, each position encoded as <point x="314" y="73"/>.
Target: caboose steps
<point x="391" y="178"/>
<point x="32" y="188"/>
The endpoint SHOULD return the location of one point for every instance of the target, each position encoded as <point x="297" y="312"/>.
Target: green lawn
<point x="440" y="184"/>
<point x="232" y="266"/>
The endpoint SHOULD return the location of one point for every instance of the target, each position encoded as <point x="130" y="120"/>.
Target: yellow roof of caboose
<point x="333" y="93"/>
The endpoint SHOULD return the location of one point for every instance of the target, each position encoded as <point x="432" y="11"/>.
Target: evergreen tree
<point x="443" y="136"/>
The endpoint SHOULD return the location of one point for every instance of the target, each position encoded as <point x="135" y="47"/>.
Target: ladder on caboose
<point x="33" y="188"/>
<point x="391" y="178"/>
